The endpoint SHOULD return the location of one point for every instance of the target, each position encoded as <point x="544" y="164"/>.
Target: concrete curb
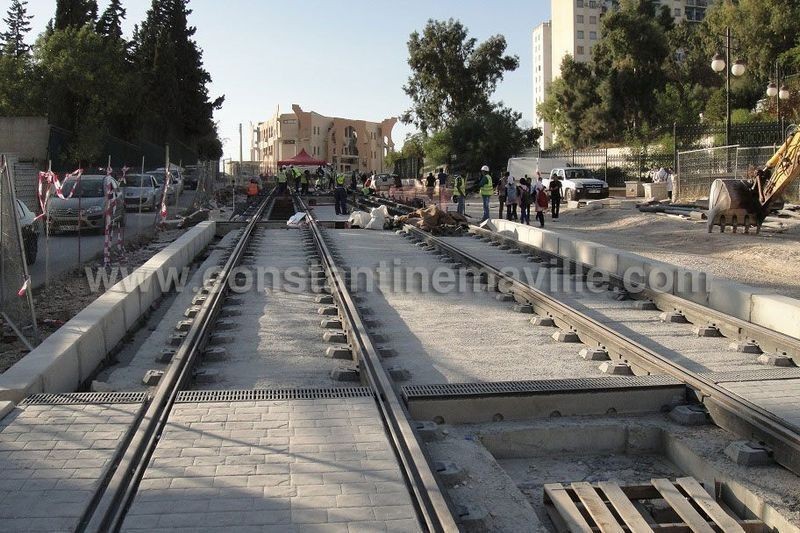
<point x="72" y="354"/>
<point x="760" y="306"/>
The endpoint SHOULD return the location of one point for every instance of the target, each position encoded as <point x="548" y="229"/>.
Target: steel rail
<point x="734" y="412"/>
<point x="108" y="506"/>
<point x="430" y="501"/>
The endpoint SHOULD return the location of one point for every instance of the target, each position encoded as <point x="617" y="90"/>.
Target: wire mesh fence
<point x="697" y="170"/>
<point x="16" y="303"/>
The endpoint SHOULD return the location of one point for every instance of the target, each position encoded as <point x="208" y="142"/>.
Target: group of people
<point x="520" y="194"/>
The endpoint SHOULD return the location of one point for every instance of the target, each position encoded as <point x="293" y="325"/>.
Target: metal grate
<point x="506" y="388"/>
<point x="753" y="375"/>
<point x="73" y="398"/>
<point x="199" y="396"/>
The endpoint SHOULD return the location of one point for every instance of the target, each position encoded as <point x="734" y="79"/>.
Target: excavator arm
<point x="785" y="168"/>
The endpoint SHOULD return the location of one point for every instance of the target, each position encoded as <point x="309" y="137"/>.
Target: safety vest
<point x="252" y="189"/>
<point x="459" y="187"/>
<point x="487" y="188"/>
<point x="303" y="178"/>
<point x="282" y="176"/>
<point x="340" y="180"/>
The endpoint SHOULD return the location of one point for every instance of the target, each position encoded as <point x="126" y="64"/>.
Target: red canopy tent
<point x="302" y="160"/>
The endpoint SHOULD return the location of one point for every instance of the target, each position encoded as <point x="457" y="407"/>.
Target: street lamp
<point x="782" y="94"/>
<point x="718" y="64"/>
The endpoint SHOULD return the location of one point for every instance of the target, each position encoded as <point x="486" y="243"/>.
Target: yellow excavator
<point x="747" y="203"/>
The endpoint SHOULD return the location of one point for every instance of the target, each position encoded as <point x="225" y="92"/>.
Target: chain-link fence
<point x="16" y="303"/>
<point x="697" y="169"/>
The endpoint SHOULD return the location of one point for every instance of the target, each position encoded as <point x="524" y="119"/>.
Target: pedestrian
<point x="442" y="179"/>
<point x="487" y="189"/>
<point x="670" y="183"/>
<point x="501" y="193"/>
<point x="340" y="195"/>
<point x="354" y="180"/>
<point x="540" y="200"/>
<point x="459" y="194"/>
<point x="305" y="177"/>
<point x="430" y="184"/>
<point x="511" y="197"/>
<point x="524" y="202"/>
<point x="555" y="196"/>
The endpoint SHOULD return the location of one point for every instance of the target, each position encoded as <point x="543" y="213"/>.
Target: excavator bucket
<point x="747" y="202"/>
<point x="733" y="202"/>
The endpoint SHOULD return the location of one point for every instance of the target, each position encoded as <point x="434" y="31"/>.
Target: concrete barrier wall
<point x="759" y="306"/>
<point x="73" y="354"/>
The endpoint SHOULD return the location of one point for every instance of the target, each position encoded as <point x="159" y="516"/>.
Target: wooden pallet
<point x="609" y="508"/>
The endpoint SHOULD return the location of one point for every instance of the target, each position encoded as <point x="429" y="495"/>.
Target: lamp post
<point x="779" y="88"/>
<point x="718" y="64"/>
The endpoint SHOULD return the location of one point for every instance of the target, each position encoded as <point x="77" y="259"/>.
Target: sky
<point x="345" y="59"/>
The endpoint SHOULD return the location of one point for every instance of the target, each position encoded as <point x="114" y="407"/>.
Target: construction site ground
<point x="766" y="260"/>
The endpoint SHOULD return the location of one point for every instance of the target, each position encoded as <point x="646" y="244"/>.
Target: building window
<point x="580" y="50"/>
<point x="593" y="20"/>
<point x="592" y="4"/>
<point x="593" y="35"/>
<point x="580" y="34"/>
<point x="580" y="3"/>
<point x="579" y="19"/>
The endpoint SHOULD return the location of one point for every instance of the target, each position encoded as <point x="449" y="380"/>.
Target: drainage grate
<point x="73" y="398"/>
<point x="753" y="375"/>
<point x="199" y="396"/>
<point x="513" y="388"/>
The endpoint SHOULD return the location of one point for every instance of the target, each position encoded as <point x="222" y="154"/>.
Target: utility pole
<point x="240" y="150"/>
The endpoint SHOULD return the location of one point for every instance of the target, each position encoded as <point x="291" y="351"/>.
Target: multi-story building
<point x="345" y="143"/>
<point x="542" y="76"/>
<point x="575" y="29"/>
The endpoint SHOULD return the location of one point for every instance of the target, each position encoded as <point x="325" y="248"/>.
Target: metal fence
<point x="697" y="169"/>
<point x="123" y="153"/>
<point x="14" y="309"/>
<point x="755" y="134"/>
<point x="615" y="166"/>
<point x="409" y="167"/>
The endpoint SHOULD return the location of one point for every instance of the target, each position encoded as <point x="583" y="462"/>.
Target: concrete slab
<point x="777" y="312"/>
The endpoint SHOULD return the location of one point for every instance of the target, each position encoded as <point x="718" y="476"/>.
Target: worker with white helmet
<point x="487" y="189"/>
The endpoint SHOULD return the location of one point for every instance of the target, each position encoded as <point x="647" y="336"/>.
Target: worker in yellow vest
<point x="282" y="178"/>
<point x="459" y="193"/>
<point x="487" y="189"/>
<point x="340" y="195"/>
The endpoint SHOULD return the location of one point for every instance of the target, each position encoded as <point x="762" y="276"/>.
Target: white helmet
<point x="485" y="168"/>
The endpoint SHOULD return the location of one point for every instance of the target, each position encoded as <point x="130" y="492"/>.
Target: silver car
<point x="161" y="179"/>
<point x="85" y="210"/>
<point x="142" y="191"/>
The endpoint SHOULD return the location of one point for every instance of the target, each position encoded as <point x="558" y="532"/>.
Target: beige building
<point x="574" y="30"/>
<point x="346" y="144"/>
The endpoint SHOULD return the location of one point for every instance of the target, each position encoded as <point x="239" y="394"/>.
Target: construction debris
<point x="436" y="221"/>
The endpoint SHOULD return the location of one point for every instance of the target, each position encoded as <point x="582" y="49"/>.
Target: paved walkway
<point x="51" y="458"/>
<point x="298" y="465"/>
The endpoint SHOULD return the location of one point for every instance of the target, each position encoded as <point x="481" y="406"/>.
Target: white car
<point x="142" y="191"/>
<point x="578" y="183"/>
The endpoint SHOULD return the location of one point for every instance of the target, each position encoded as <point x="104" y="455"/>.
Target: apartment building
<point x="574" y="30"/>
<point x="347" y="144"/>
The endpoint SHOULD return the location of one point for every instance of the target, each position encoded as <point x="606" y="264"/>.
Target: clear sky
<point x="346" y="59"/>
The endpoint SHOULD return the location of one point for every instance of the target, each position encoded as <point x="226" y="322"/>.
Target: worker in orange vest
<point x="252" y="188"/>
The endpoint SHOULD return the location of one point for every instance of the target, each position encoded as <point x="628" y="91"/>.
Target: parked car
<point x="30" y="232"/>
<point x="161" y="178"/>
<point x="190" y="176"/>
<point x="578" y="183"/>
<point x="142" y="191"/>
<point x="383" y="182"/>
<point x="177" y="177"/>
<point x="90" y="194"/>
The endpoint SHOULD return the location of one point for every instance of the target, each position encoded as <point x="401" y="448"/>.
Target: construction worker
<point x="487" y="189"/>
<point x="459" y="193"/>
<point x="282" y="177"/>
<point x="296" y="173"/>
<point x="340" y="195"/>
<point x="305" y="177"/>
<point x="252" y="189"/>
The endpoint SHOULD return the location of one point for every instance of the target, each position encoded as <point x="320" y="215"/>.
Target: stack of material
<point x="436" y="221"/>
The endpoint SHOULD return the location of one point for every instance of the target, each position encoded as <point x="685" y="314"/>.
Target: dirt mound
<point x="436" y="221"/>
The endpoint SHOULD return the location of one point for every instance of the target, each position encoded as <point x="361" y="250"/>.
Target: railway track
<point x="115" y="494"/>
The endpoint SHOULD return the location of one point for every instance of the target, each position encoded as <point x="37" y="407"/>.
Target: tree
<point x="75" y="13"/>
<point x="18" y="24"/>
<point x="451" y="74"/>
<point x="413" y="146"/>
<point x="110" y="22"/>
<point x="485" y="137"/>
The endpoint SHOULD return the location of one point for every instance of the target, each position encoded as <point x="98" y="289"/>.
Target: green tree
<point x="18" y="24"/>
<point x="110" y="22"/>
<point x="452" y="74"/>
<point x="75" y="13"/>
<point x="97" y="92"/>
